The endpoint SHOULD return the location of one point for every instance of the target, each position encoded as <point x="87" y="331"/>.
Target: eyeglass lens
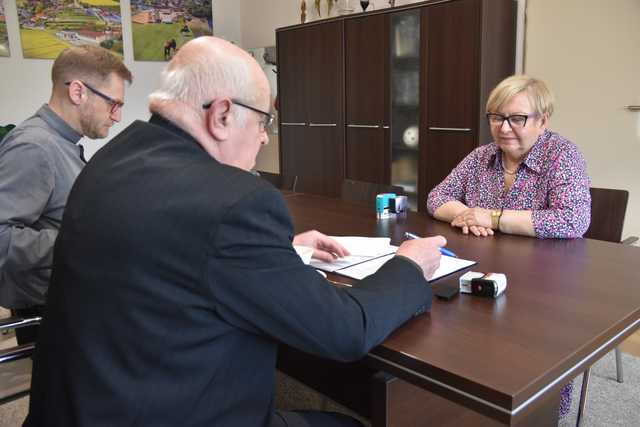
<point x="515" y="120"/>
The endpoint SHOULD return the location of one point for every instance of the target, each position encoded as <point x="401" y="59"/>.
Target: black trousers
<point x="312" y="419"/>
<point x="28" y="334"/>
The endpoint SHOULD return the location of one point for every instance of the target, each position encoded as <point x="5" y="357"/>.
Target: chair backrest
<point x="608" y="207"/>
<point x="273" y="178"/>
<point x="289" y="183"/>
<point x="364" y="193"/>
<point x="15" y="362"/>
<point x="282" y="182"/>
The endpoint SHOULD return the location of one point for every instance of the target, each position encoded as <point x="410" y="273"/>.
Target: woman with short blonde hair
<point x="529" y="181"/>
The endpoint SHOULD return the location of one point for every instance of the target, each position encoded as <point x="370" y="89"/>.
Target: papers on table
<point x="362" y="249"/>
<point x="368" y="254"/>
<point x="450" y="265"/>
<point x="362" y="270"/>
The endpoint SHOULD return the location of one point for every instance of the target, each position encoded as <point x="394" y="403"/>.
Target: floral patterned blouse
<point x="552" y="182"/>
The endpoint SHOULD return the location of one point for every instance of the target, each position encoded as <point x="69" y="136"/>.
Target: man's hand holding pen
<point x="424" y="252"/>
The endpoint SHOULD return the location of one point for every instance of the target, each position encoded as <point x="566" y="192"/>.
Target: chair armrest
<point x="18" y="352"/>
<point x="630" y="240"/>
<point x="18" y="322"/>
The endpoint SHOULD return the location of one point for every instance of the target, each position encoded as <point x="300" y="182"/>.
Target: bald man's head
<point x="219" y="94"/>
<point x="207" y="68"/>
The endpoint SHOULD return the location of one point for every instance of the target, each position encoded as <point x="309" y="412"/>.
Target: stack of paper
<point x="368" y="254"/>
<point x="362" y="249"/>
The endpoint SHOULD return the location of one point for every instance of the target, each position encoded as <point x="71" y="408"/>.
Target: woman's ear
<point x="219" y="118"/>
<point x="544" y="121"/>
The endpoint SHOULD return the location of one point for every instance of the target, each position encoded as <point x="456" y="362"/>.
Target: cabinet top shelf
<point x="395" y="9"/>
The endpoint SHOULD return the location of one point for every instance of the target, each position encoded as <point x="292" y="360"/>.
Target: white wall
<point x="589" y="53"/>
<point x="260" y="18"/>
<point x="26" y="83"/>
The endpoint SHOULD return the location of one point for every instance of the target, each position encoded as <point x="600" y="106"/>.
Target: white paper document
<point x="368" y="254"/>
<point x="448" y="265"/>
<point x="361" y="248"/>
<point x="362" y="270"/>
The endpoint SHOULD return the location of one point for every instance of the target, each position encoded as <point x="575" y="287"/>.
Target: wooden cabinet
<point x="407" y="94"/>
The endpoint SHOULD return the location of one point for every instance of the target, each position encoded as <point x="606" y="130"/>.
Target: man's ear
<point x="219" y="119"/>
<point x="75" y="92"/>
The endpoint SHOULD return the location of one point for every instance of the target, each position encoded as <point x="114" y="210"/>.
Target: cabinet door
<point x="367" y="58"/>
<point x="325" y="74"/>
<point x="366" y="103"/>
<point x="404" y="89"/>
<point x="366" y="154"/>
<point x="309" y="158"/>
<point x="443" y="152"/>
<point x="452" y="45"/>
<point x="451" y="34"/>
<point x="324" y="170"/>
<point x="293" y="50"/>
<point x="311" y="101"/>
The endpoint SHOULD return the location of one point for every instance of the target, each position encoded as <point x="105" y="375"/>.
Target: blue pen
<point x="443" y="251"/>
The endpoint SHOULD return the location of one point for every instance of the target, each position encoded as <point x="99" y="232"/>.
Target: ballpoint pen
<point x="443" y="251"/>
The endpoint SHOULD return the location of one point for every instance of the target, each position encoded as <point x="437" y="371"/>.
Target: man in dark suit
<point x="175" y="277"/>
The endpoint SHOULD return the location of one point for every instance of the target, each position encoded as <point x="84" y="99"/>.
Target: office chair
<point x="288" y="183"/>
<point x="608" y="208"/>
<point x="15" y="362"/>
<point x="364" y="193"/>
<point x="274" y="178"/>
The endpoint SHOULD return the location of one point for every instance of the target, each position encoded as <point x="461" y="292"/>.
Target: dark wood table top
<point x="566" y="304"/>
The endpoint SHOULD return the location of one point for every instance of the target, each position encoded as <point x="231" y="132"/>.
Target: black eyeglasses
<point x="264" y="124"/>
<point x="115" y="104"/>
<point x="516" y="121"/>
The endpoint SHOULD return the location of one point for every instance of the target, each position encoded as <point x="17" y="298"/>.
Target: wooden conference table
<point x="567" y="304"/>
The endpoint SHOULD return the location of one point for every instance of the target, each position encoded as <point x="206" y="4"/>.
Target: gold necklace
<point x="508" y="172"/>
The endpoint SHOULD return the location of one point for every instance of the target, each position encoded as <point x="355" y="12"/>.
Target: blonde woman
<point x="529" y="181"/>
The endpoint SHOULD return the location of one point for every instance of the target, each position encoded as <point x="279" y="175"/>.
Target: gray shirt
<point x="39" y="161"/>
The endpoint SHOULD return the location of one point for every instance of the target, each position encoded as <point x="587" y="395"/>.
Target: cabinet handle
<point x="385" y="127"/>
<point x="633" y="107"/>
<point x="451" y="129"/>
<point x="292" y="124"/>
<point x="364" y="126"/>
<point x="321" y="125"/>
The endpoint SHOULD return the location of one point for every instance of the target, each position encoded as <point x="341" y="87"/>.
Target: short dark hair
<point x="87" y="63"/>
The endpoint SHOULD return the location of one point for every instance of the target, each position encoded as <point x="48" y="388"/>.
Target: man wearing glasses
<point x="39" y="161"/>
<point x="175" y="276"/>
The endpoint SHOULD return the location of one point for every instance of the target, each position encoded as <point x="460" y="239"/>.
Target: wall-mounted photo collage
<point x="4" y="38"/>
<point x="159" y="27"/>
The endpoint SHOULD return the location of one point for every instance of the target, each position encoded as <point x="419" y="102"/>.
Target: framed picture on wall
<point x="47" y="27"/>
<point x="4" y="38"/>
<point x="160" y="27"/>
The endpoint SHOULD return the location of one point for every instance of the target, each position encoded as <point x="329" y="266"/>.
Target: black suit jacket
<point x="174" y="279"/>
